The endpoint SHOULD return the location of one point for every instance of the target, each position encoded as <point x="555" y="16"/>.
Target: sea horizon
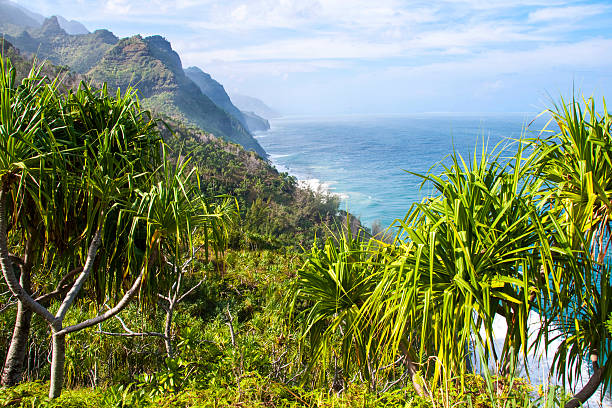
<point x="348" y="155"/>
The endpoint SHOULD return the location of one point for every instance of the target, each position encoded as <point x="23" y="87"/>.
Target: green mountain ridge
<point x="276" y="211"/>
<point x="150" y="64"/>
<point x="154" y="68"/>
<point x="51" y="42"/>
<point x="14" y="18"/>
<point x="215" y="91"/>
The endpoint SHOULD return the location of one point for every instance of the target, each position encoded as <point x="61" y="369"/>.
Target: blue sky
<point x="377" y="56"/>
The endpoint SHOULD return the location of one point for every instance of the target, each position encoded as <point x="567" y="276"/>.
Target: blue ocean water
<point x="364" y="159"/>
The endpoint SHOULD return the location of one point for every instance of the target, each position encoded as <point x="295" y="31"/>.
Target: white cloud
<point x="594" y="54"/>
<point x="298" y="14"/>
<point x="472" y="36"/>
<point x="304" y="49"/>
<point x="453" y="42"/>
<point x="503" y="4"/>
<point x="549" y="14"/>
<point x="117" y="7"/>
<point x="435" y="48"/>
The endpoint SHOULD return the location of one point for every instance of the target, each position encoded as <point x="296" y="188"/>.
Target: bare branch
<point x="143" y="334"/>
<point x="8" y="305"/>
<point x="402" y="377"/>
<point x="109" y="313"/>
<point x="189" y="292"/>
<point x="62" y="287"/>
<point x="231" y="327"/>
<point x="78" y="284"/>
<point x="188" y="261"/>
<point x="130" y="333"/>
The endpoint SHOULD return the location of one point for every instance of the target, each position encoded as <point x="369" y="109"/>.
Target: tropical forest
<point x="152" y="256"/>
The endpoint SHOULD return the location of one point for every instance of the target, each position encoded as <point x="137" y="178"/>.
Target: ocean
<point x="365" y="159"/>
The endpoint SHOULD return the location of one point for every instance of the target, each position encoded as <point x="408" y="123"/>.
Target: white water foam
<point x="321" y="187"/>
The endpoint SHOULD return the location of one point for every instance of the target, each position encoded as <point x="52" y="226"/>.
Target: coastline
<point x="311" y="183"/>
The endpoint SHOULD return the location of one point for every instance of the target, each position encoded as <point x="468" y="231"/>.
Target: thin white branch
<point x="189" y="292"/>
<point x="128" y="332"/>
<point x="109" y="313"/>
<point x="231" y="327"/>
<point x="78" y="283"/>
<point x="141" y="334"/>
<point x="8" y="305"/>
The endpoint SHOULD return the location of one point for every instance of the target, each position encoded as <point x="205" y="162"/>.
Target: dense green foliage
<point x="155" y="69"/>
<point x="51" y="42"/>
<point x="499" y="238"/>
<point x="261" y="369"/>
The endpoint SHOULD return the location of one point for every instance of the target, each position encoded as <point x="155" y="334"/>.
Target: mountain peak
<point x="197" y="71"/>
<point x="72" y="27"/>
<point x="51" y="27"/>
<point x="106" y="36"/>
<point x="162" y="49"/>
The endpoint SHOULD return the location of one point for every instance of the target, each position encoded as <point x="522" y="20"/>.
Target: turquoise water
<point x="363" y="158"/>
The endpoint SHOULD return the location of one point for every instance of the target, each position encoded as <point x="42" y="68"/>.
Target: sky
<point x="327" y="57"/>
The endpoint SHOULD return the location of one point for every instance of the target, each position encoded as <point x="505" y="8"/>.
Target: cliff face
<point x="148" y="64"/>
<point x="154" y="68"/>
<point x="215" y="91"/>
<point x="256" y="123"/>
<point x="250" y="104"/>
<point x="15" y="18"/>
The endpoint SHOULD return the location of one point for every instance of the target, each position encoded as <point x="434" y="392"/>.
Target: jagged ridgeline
<point x="148" y="64"/>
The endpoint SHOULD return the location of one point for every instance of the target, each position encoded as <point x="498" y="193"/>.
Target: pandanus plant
<point x="500" y="237"/>
<point x="79" y="179"/>
<point x="576" y="164"/>
<point x="332" y="287"/>
<point x="470" y="253"/>
<point x="462" y="257"/>
<point x="29" y="162"/>
<point x="174" y="213"/>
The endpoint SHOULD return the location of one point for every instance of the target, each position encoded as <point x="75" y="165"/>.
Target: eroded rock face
<point x="216" y="92"/>
<point x="155" y="69"/>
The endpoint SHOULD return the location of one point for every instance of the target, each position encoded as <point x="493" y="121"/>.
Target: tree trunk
<point x="589" y="388"/>
<point x="412" y="368"/>
<point x="168" y="331"/>
<point x="57" y="363"/>
<point x="16" y="354"/>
